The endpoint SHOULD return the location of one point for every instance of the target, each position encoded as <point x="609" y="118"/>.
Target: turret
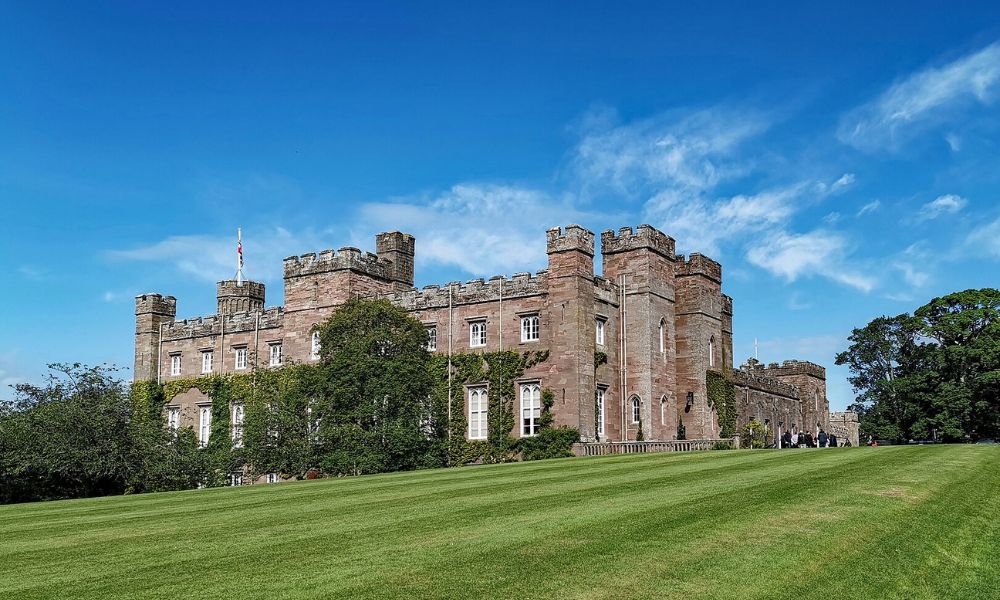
<point x="234" y="297"/>
<point x="570" y="286"/>
<point x="399" y="249"/>
<point x="151" y="312"/>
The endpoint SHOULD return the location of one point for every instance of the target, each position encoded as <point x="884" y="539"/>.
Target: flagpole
<point x="239" y="256"/>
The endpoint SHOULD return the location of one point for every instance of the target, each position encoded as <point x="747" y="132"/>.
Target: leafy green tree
<point x="933" y="373"/>
<point x="375" y="405"/>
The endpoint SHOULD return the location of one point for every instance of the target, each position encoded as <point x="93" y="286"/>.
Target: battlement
<point x="156" y="304"/>
<point x="699" y="264"/>
<point x="213" y="325"/>
<point x="573" y="238"/>
<point x="795" y="367"/>
<point x="395" y="241"/>
<point x="645" y="236"/>
<point x="233" y="297"/>
<point x="727" y="305"/>
<point x="521" y="285"/>
<point x="346" y="258"/>
<point x="753" y="379"/>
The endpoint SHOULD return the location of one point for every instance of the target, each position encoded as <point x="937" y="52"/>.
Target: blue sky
<point x="841" y="162"/>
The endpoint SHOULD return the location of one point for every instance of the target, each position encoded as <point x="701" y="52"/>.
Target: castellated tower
<point x="236" y="298"/>
<point x="151" y="311"/>
<point x="571" y="307"/>
<point x="702" y="340"/>
<point x="397" y="248"/>
<point x="643" y="264"/>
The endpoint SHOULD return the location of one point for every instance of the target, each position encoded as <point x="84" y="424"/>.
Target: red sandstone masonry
<point x="660" y="286"/>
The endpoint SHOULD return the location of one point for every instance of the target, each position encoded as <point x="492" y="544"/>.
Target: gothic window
<point x="477" y="334"/>
<point x="236" y="421"/>
<point x="175" y="364"/>
<point x="432" y="338"/>
<point x="711" y="351"/>
<point x="529" y="328"/>
<point x="635" y="403"/>
<point x="204" y="425"/>
<point x="663" y="336"/>
<point x="173" y="417"/>
<point x="206" y="361"/>
<point x="477" y="413"/>
<point x="241" y="358"/>
<point x="531" y="409"/>
<point x="600" y="412"/>
<point x="663" y="409"/>
<point x="600" y="332"/>
<point x="314" y="349"/>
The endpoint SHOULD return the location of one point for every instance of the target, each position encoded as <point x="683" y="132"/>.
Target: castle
<point x="628" y="349"/>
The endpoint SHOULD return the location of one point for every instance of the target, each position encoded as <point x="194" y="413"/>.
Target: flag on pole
<point x="239" y="256"/>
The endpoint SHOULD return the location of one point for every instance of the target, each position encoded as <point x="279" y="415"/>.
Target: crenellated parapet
<point x="644" y="236"/>
<point x="727" y="305"/>
<point x="346" y="258"/>
<point x="216" y="324"/>
<point x="521" y="285"/>
<point x="795" y="367"/>
<point x="698" y="264"/>
<point x="573" y="238"/>
<point x="156" y="304"/>
<point x="755" y="380"/>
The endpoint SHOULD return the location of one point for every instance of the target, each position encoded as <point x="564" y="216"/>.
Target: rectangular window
<point x="204" y="425"/>
<point x="529" y="328"/>
<point x="477" y="334"/>
<point x="314" y="351"/>
<point x="236" y="479"/>
<point x="175" y="364"/>
<point x="272" y="478"/>
<point x="600" y="412"/>
<point x="241" y="358"/>
<point x="275" y="355"/>
<point x="477" y="413"/>
<point x="531" y="409"/>
<point x="173" y="417"/>
<point x="236" y="420"/>
<point x="432" y="338"/>
<point x="206" y="361"/>
<point x="600" y="332"/>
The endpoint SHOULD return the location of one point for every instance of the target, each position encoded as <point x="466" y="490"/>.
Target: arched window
<point x="711" y="351"/>
<point x="600" y="412"/>
<point x="816" y="401"/>
<point x="663" y="336"/>
<point x="663" y="409"/>
<point x="477" y="413"/>
<point x="531" y="409"/>
<point x="635" y="403"/>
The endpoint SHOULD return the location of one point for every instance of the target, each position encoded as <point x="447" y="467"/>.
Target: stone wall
<point x="656" y="345"/>
<point x="845" y="426"/>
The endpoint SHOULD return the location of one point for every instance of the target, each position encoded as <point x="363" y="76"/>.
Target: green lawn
<point x="890" y="522"/>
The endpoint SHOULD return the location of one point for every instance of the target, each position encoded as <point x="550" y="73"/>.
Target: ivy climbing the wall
<point x="722" y="397"/>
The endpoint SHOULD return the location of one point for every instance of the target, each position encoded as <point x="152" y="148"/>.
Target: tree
<point x="374" y="406"/>
<point x="936" y="372"/>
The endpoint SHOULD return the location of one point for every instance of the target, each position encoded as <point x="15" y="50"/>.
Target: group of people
<point x="791" y="439"/>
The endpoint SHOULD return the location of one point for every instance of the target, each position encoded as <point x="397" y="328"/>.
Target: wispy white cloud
<point x="484" y="229"/>
<point x="213" y="257"/>
<point x="870" y="207"/>
<point x="942" y="205"/>
<point x="954" y="142"/>
<point x="686" y="153"/>
<point x="32" y="273"/>
<point x="926" y="98"/>
<point x="984" y="240"/>
<point x="819" y="252"/>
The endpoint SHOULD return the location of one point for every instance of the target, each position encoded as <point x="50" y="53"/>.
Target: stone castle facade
<point x="628" y="349"/>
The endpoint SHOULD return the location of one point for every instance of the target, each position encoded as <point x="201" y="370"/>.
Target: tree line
<point x="377" y="401"/>
<point x="932" y="374"/>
